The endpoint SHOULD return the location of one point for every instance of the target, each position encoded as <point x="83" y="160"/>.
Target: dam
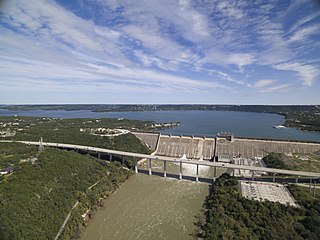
<point x="221" y="146"/>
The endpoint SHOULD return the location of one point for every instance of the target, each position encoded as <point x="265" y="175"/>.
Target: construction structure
<point x="262" y="191"/>
<point x="222" y="148"/>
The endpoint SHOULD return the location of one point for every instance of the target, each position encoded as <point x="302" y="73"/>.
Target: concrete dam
<point x="223" y="147"/>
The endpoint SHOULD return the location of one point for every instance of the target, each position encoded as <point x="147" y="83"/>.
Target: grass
<point x="311" y="165"/>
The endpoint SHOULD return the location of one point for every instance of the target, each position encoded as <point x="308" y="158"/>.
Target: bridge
<point x="179" y="161"/>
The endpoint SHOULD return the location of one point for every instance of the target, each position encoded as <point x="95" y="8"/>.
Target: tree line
<point x="227" y="215"/>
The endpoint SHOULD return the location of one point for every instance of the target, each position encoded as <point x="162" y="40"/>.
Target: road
<point x="171" y="159"/>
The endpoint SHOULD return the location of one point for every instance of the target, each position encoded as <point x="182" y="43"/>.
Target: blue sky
<point x="114" y="51"/>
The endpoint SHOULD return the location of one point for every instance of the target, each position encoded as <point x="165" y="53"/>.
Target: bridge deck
<point x="171" y="159"/>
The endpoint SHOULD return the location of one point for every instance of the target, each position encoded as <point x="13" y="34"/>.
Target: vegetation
<point x="167" y="107"/>
<point x="304" y="162"/>
<point x="36" y="197"/>
<point x="68" y="131"/>
<point x="304" y="121"/>
<point x="275" y="160"/>
<point x="227" y="215"/>
<point x="13" y="153"/>
<point x="311" y="205"/>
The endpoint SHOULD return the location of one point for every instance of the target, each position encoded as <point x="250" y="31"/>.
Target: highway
<point x="171" y="159"/>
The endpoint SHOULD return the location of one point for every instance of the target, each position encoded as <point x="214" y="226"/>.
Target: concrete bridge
<point x="179" y="161"/>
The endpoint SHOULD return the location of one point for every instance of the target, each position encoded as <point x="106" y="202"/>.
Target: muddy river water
<point x="149" y="207"/>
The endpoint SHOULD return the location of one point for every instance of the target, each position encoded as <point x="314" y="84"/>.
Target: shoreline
<point x="90" y="214"/>
<point x="106" y="111"/>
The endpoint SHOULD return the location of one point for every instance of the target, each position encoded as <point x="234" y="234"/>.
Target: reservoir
<point x="202" y="123"/>
<point x="149" y="207"/>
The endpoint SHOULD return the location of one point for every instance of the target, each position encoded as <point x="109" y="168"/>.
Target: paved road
<point x="171" y="159"/>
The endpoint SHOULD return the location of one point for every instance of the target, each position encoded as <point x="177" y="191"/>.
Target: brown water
<point x="188" y="170"/>
<point x="149" y="207"/>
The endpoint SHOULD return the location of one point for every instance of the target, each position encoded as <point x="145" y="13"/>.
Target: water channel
<point x="149" y="207"/>
<point x="153" y="207"/>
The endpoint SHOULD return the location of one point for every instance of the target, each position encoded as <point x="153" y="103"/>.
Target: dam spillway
<point x="192" y="147"/>
<point x="207" y="148"/>
<point x="250" y="148"/>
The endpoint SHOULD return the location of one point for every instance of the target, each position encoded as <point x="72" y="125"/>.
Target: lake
<point x="203" y="123"/>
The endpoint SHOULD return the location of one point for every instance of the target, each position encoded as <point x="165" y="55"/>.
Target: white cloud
<point x="225" y="76"/>
<point x="229" y="9"/>
<point x="162" y="45"/>
<point x="304" y="33"/>
<point x="306" y="72"/>
<point x="279" y="88"/>
<point x="225" y="58"/>
<point x="304" y="21"/>
<point x="156" y="78"/>
<point x="21" y="72"/>
<point x="197" y="21"/>
<point x="263" y="83"/>
<point x="150" y="39"/>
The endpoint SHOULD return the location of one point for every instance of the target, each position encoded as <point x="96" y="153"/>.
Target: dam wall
<point x="204" y="148"/>
<point x="250" y="148"/>
<point x="192" y="147"/>
<point x="150" y="139"/>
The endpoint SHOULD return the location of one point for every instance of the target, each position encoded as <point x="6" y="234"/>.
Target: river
<point x="149" y="207"/>
<point x="207" y="123"/>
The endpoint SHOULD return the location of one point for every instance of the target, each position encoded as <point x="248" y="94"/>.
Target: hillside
<point x="36" y="197"/>
<point x="74" y="131"/>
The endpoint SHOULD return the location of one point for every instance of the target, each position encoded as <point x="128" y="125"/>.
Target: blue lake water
<point x="205" y="123"/>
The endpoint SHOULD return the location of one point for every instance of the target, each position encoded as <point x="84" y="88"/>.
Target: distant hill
<point x="167" y="107"/>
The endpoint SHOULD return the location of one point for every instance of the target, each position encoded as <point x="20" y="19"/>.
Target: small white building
<point x="7" y="170"/>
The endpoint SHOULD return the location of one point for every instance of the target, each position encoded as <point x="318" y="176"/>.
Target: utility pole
<point x="41" y="147"/>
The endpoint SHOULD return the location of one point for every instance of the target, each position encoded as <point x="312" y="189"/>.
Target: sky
<point x="160" y="51"/>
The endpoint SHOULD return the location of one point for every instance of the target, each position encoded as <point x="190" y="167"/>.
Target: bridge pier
<point x="136" y="166"/>
<point x="197" y="174"/>
<point x="149" y="166"/>
<point x="310" y="185"/>
<point x="297" y="179"/>
<point x="314" y="188"/>
<point x="274" y="177"/>
<point x="180" y="172"/>
<point x="252" y="178"/>
<point x="99" y="155"/>
<point x="122" y="162"/>
<point x="110" y="157"/>
<point x="165" y="169"/>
